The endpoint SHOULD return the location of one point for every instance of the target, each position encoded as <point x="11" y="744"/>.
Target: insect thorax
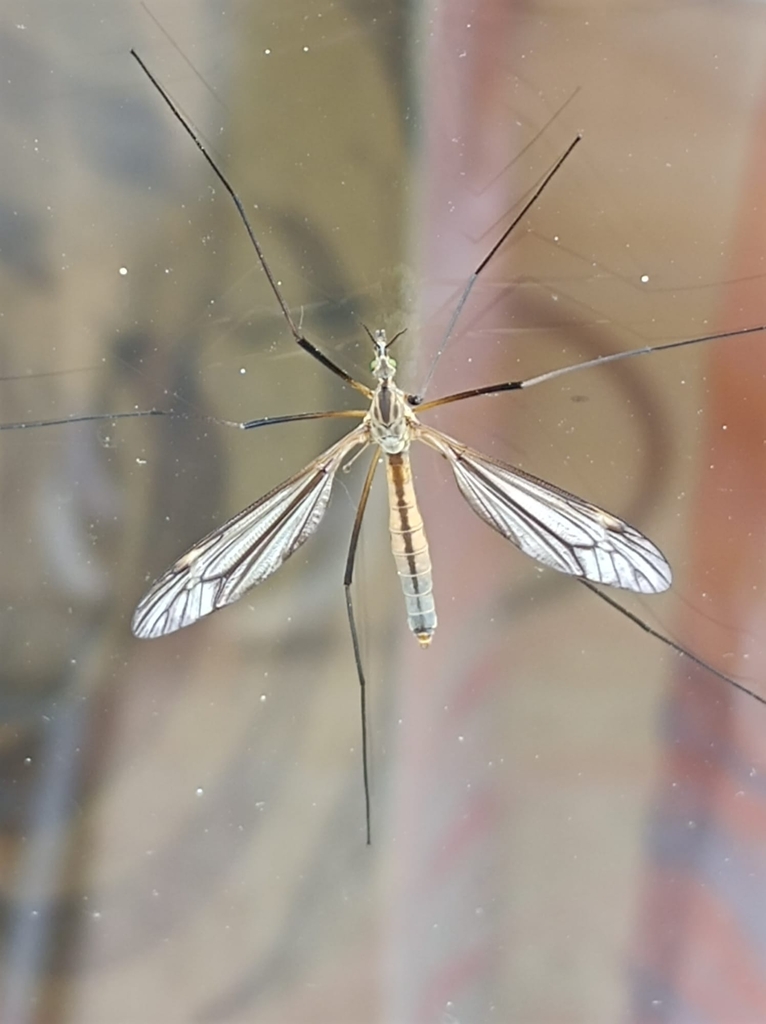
<point x="390" y="419"/>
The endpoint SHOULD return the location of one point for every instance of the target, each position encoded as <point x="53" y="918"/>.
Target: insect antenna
<point x="396" y="337"/>
<point x="418" y="398"/>
<point x="301" y="340"/>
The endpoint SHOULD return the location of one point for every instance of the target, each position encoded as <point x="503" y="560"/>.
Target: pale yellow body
<point x="391" y="423"/>
<point x="410" y="548"/>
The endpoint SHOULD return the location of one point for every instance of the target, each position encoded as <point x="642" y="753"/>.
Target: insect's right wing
<point x="221" y="567"/>
<point x="553" y="526"/>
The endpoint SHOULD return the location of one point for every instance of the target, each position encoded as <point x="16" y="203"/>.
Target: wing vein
<point x="221" y="567"/>
<point x="556" y="528"/>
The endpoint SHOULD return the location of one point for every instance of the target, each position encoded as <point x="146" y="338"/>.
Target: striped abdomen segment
<point x="410" y="547"/>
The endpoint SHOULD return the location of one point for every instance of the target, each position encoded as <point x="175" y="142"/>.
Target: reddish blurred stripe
<point x="701" y="949"/>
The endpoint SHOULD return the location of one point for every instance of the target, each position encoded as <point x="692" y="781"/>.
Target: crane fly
<point x="556" y="528"/>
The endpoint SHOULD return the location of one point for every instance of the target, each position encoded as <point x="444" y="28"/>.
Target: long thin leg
<point x="417" y="399"/>
<point x="348" y="577"/>
<point x="49" y="373"/>
<point x="535" y="138"/>
<point x="95" y="418"/>
<point x="266" y="421"/>
<point x="303" y="342"/>
<point x="671" y="643"/>
<point x="614" y="357"/>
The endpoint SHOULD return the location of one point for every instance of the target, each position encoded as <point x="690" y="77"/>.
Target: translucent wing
<point x="553" y="526"/>
<point x="221" y="567"/>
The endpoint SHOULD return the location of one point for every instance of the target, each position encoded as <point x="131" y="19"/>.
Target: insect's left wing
<point x="221" y="567"/>
<point x="555" y="527"/>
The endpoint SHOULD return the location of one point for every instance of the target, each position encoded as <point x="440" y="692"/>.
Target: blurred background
<point x="569" y="820"/>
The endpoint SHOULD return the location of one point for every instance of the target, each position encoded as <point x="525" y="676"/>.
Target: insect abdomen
<point x="410" y="548"/>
